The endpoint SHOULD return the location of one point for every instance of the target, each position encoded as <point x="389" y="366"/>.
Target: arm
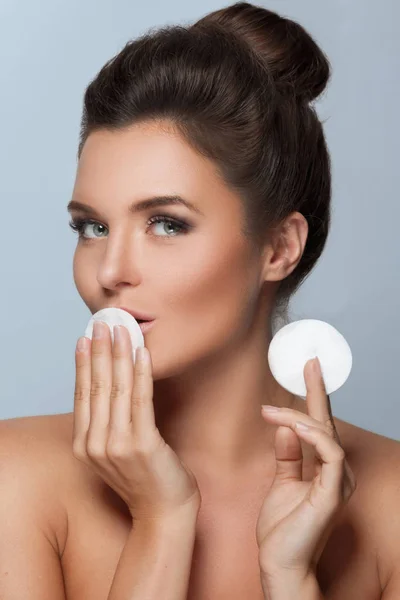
<point x="156" y="559"/>
<point x="385" y="511"/>
<point x="30" y="567"/>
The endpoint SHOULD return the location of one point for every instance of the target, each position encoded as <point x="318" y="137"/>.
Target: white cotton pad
<point x="296" y="343"/>
<point x="117" y="316"/>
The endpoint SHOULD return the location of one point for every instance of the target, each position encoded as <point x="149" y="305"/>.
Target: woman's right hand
<point x="115" y="432"/>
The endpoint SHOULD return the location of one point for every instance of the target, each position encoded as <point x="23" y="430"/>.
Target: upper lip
<point x="136" y="314"/>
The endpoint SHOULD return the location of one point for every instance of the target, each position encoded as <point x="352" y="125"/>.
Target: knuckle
<point x="80" y="393"/>
<point x="137" y="399"/>
<point x="340" y="454"/>
<point x="98" y="387"/>
<point x="142" y="455"/>
<point x="118" y="388"/>
<point x="118" y="449"/>
<point x="95" y="450"/>
<point x="79" y="451"/>
<point x="124" y="447"/>
<point x="140" y="378"/>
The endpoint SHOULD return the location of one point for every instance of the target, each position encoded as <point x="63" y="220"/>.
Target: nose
<point x="119" y="264"/>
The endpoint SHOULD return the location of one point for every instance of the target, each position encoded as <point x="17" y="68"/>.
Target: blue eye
<point x="181" y="226"/>
<point x="79" y="224"/>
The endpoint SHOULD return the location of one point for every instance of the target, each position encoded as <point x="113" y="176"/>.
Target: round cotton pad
<point x="117" y="316"/>
<point x="296" y="343"/>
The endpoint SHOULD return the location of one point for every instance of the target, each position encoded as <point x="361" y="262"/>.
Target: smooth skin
<point x="114" y="430"/>
<point x="211" y="292"/>
<point x="116" y="434"/>
<point x="297" y="517"/>
<point x="212" y="295"/>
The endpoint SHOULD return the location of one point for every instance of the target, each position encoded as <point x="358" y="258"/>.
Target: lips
<point x="145" y="326"/>
<point x="137" y="315"/>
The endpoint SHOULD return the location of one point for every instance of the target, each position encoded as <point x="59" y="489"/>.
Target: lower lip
<point x="146" y="326"/>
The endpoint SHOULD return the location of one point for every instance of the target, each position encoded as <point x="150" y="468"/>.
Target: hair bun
<point x="296" y="62"/>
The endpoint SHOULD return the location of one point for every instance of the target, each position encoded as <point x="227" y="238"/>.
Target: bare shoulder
<point x="35" y="448"/>
<point x="365" y="443"/>
<point x="373" y="454"/>
<point x="375" y="461"/>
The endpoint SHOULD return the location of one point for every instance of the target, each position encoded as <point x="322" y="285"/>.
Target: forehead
<point x="147" y="159"/>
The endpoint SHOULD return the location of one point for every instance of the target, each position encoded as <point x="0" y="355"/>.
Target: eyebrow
<point x="141" y="206"/>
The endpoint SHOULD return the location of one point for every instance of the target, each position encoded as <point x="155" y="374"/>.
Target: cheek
<point x="83" y="278"/>
<point x="78" y="269"/>
<point x="209" y="299"/>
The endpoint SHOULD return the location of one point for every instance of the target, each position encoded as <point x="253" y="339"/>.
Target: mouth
<point x="137" y="315"/>
<point x="145" y="325"/>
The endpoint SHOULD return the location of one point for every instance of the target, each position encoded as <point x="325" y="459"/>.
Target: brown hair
<point x="237" y="85"/>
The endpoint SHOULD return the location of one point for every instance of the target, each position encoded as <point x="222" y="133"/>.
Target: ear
<point x="285" y="247"/>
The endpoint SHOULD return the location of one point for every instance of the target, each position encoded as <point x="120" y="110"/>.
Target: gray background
<point x="51" y="49"/>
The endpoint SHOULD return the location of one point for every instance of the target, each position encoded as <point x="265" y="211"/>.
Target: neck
<point x="210" y="415"/>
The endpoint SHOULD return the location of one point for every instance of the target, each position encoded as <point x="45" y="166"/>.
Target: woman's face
<point x="201" y="283"/>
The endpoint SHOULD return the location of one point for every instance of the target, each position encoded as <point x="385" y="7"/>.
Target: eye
<point x="79" y="224"/>
<point x="181" y="226"/>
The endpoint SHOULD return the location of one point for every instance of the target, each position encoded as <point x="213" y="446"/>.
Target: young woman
<point x="202" y="199"/>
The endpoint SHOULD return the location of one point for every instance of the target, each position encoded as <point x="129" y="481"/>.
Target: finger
<point x="101" y="366"/>
<point x="287" y="417"/>
<point x="288" y="455"/>
<point x="318" y="402"/>
<point x="316" y="398"/>
<point x="142" y="407"/>
<point x="122" y="381"/>
<point x="332" y="475"/>
<point x="81" y="415"/>
<point x="319" y="407"/>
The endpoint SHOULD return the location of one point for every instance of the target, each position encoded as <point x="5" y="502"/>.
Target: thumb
<point x="288" y="455"/>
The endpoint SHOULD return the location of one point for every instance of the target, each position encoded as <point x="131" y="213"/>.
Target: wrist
<point x="286" y="586"/>
<point x="181" y="515"/>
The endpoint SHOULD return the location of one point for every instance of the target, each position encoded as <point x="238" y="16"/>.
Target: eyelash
<point x="78" y="225"/>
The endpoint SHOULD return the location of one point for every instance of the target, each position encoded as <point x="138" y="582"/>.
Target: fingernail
<point x="269" y="408"/>
<point x="81" y="344"/>
<point x="98" y="330"/>
<point x="302" y="426"/>
<point x="141" y="354"/>
<point x="117" y="334"/>
<point x="316" y="366"/>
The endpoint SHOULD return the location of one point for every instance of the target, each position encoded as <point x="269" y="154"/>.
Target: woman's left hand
<point x="297" y="517"/>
